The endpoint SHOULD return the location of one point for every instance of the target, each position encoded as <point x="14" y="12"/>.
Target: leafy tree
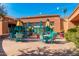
<point x="2" y="10"/>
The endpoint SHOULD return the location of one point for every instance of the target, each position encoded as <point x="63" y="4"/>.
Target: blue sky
<point x="18" y="10"/>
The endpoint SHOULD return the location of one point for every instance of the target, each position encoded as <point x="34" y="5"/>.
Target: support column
<point x="0" y="27"/>
<point x="57" y="25"/>
<point x="3" y="27"/>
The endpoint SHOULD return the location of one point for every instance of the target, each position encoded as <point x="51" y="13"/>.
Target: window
<point x="52" y="23"/>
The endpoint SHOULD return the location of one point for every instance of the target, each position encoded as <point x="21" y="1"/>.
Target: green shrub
<point x="66" y="36"/>
<point x="72" y="35"/>
<point x="73" y="30"/>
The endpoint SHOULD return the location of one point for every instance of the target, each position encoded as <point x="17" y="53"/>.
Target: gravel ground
<point x="59" y="48"/>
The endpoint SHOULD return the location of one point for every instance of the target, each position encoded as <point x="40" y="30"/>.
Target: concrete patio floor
<point x="13" y="48"/>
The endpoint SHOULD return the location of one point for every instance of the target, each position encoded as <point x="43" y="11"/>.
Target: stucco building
<point x="6" y="22"/>
<point x="54" y="19"/>
<point x="72" y="20"/>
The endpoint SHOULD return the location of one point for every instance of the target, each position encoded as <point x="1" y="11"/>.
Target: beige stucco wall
<point x="57" y="25"/>
<point x="0" y="27"/>
<point x="4" y="27"/>
<point x="71" y="25"/>
<point x="68" y="24"/>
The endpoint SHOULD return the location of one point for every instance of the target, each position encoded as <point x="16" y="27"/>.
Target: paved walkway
<point x="36" y="48"/>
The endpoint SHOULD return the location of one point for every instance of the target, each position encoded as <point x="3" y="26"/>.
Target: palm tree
<point x="64" y="11"/>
